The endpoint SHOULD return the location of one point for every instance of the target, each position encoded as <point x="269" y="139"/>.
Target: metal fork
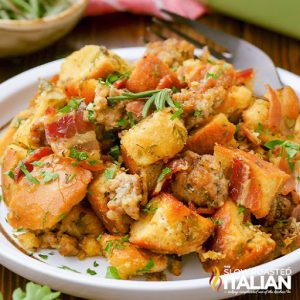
<point x="240" y="53"/>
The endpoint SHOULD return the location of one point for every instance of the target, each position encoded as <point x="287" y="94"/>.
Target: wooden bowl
<point x="19" y="37"/>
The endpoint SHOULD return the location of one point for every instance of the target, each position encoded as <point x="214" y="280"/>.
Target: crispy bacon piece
<point x="54" y="79"/>
<point x="120" y="84"/>
<point x="175" y="166"/>
<point x="67" y="126"/>
<point x="244" y="75"/>
<point x="34" y="156"/>
<point x="274" y="110"/>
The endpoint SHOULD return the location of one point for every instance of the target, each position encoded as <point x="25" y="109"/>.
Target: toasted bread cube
<point x="172" y="52"/>
<point x="170" y="227"/>
<point x="129" y="259"/>
<point x="156" y="137"/>
<point x="29" y="241"/>
<point x="90" y="246"/>
<point x="117" y="201"/>
<point x="289" y="103"/>
<point x="238" y="99"/>
<point x="218" y="131"/>
<point x="148" y="73"/>
<point x="90" y="62"/>
<point x="11" y="158"/>
<point x="25" y="134"/>
<point x="254" y="182"/>
<point x="39" y="206"/>
<point x="240" y="244"/>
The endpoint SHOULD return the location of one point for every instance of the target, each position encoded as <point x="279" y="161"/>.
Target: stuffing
<point x="241" y="244"/>
<point x="202" y="183"/>
<point x="156" y="137"/>
<point x="169" y="227"/>
<point x="171" y="51"/>
<point x="254" y="182"/>
<point x="218" y="131"/>
<point x="130" y="260"/>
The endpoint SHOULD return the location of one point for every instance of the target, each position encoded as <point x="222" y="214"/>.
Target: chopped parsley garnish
<point x="20" y="229"/>
<point x="211" y="75"/>
<point x="125" y="238"/>
<point x="122" y="122"/>
<point x="177" y="114"/>
<point x="148" y="266"/>
<point x="95" y="264"/>
<point x="112" y="273"/>
<point x="37" y="163"/>
<point x="131" y="120"/>
<point x="148" y="208"/>
<point x="68" y="268"/>
<point x="174" y="89"/>
<point x="89" y="191"/>
<point x="164" y="173"/>
<point x="110" y="173"/>
<point x="91" y="272"/>
<point x="92" y="162"/>
<point x="71" y="177"/>
<point x="61" y="216"/>
<point x="108" y="247"/>
<point x="91" y="116"/>
<point x="291" y="149"/>
<point x="210" y="61"/>
<point x="45" y="218"/>
<point x="99" y="237"/>
<point x="197" y="113"/>
<point x="78" y="155"/>
<point x="43" y="256"/>
<point x="241" y="209"/>
<point x="28" y="175"/>
<point x="10" y="174"/>
<point x="218" y="222"/>
<point x="114" y="152"/>
<point x="48" y="176"/>
<point x="259" y="128"/>
<point x="73" y="104"/>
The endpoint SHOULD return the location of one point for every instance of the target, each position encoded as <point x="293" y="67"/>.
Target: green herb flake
<point x="108" y="247"/>
<point x="211" y="75"/>
<point x="61" y="216"/>
<point x="198" y="113"/>
<point x="114" y="152"/>
<point x="164" y="173"/>
<point x="78" y="155"/>
<point x="71" y="177"/>
<point x="122" y="122"/>
<point x="28" y="175"/>
<point x="131" y="120"/>
<point x="148" y="266"/>
<point x="99" y="237"/>
<point x="92" y="162"/>
<point x="45" y="218"/>
<point x="20" y="229"/>
<point x="259" y="128"/>
<point x="43" y="256"/>
<point x="125" y="238"/>
<point x="91" y="272"/>
<point x="89" y="191"/>
<point x="95" y="264"/>
<point x="218" y="222"/>
<point x="10" y="173"/>
<point x="177" y="114"/>
<point x="91" y="116"/>
<point x="241" y="209"/>
<point x="37" y="163"/>
<point x="112" y="273"/>
<point x="110" y="173"/>
<point x="48" y="176"/>
<point x="68" y="268"/>
<point x="148" y="208"/>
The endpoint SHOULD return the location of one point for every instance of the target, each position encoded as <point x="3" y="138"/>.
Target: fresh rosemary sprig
<point x="130" y="96"/>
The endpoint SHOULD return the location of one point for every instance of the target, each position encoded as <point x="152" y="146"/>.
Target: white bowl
<point x="18" y="37"/>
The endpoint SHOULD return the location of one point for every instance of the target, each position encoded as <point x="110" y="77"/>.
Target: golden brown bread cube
<point x="154" y="138"/>
<point x="172" y="52"/>
<point x="170" y="227"/>
<point x="241" y="244"/>
<point x="218" y="131"/>
<point x="90" y="62"/>
<point x="90" y="246"/>
<point x="237" y="100"/>
<point x="129" y="259"/>
<point x="29" y="241"/>
<point x="11" y="158"/>
<point x="254" y="182"/>
<point x="117" y="201"/>
<point x="41" y="205"/>
<point x="202" y="183"/>
<point x="149" y="73"/>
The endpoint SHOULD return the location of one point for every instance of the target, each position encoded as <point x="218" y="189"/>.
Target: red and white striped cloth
<point x="188" y="8"/>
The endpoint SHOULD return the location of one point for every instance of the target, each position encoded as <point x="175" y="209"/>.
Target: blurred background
<point x="35" y="32"/>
